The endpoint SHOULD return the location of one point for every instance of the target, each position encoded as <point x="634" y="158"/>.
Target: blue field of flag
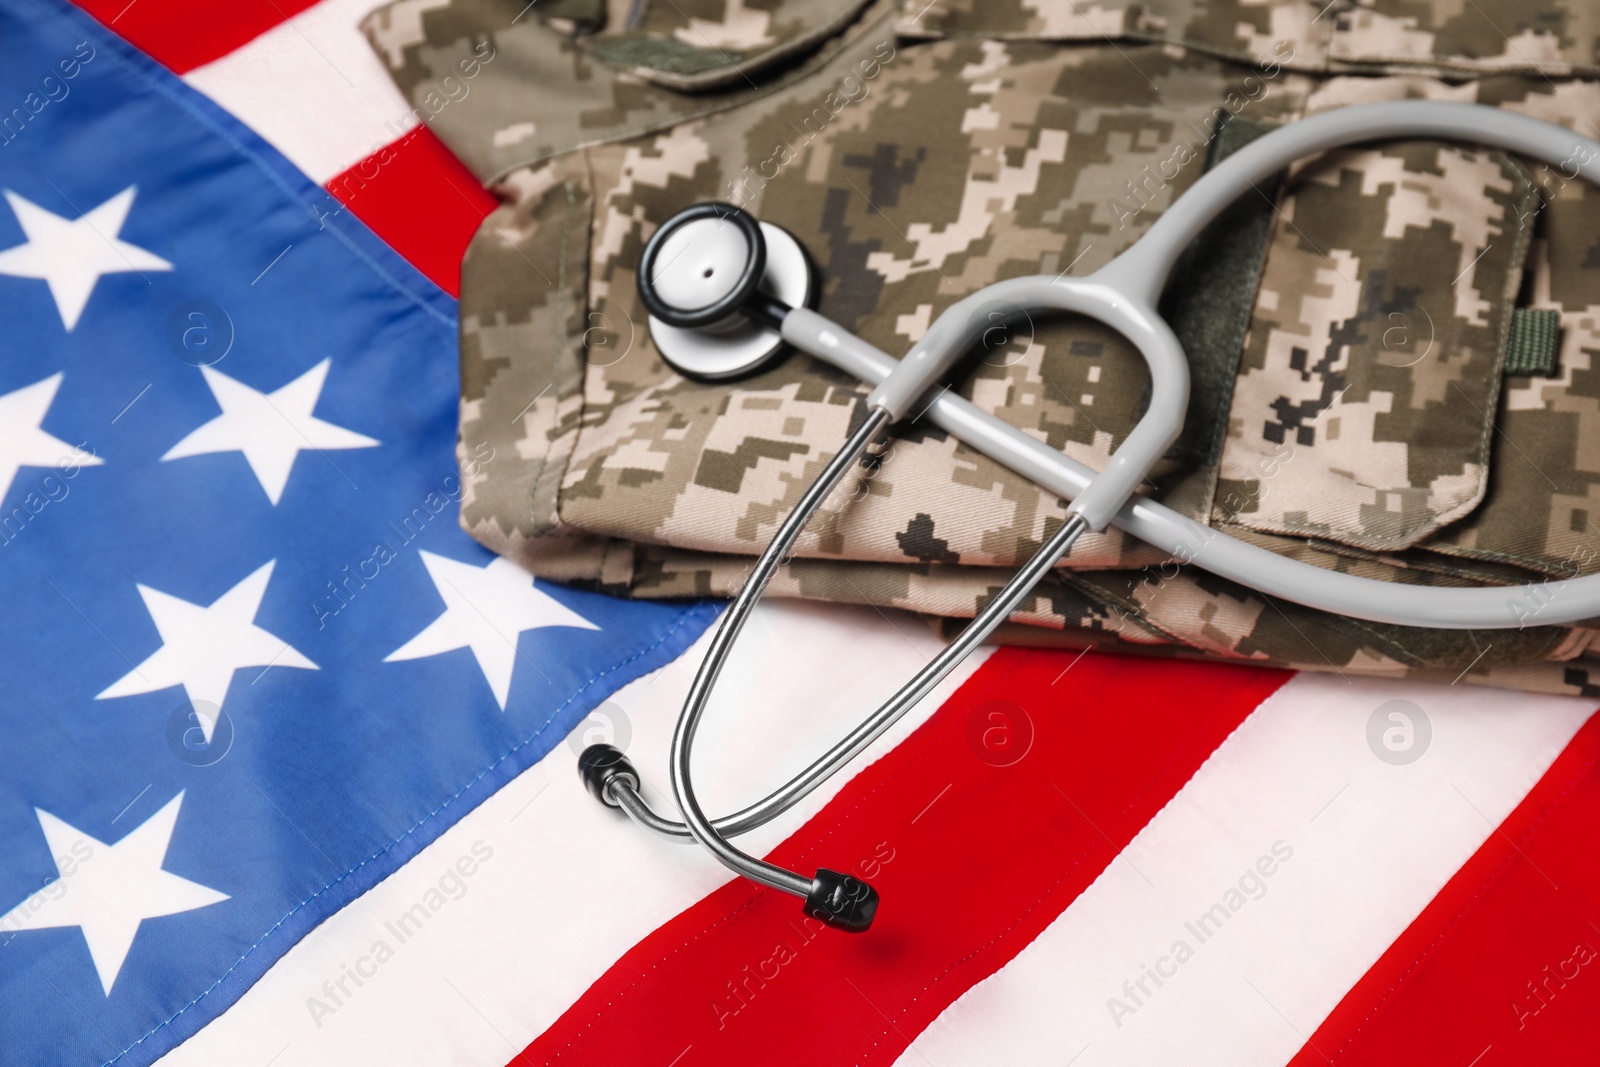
<point x="249" y="662"/>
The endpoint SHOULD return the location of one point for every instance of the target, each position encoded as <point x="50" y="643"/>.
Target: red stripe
<point x="972" y="860"/>
<point x="185" y="34"/>
<point x="421" y="200"/>
<point x="1503" y="966"/>
<point x="413" y="192"/>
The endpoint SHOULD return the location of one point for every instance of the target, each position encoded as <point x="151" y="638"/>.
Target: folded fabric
<point x="1348" y="325"/>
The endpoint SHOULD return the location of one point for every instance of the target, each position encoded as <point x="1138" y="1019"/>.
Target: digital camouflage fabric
<point x="1347" y="325"/>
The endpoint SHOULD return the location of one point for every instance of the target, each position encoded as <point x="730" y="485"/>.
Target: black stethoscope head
<point x="717" y="284"/>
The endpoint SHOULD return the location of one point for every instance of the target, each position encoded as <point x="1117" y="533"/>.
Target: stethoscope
<point x="727" y="295"/>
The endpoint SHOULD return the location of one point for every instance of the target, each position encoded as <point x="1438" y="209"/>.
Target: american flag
<point x="287" y="770"/>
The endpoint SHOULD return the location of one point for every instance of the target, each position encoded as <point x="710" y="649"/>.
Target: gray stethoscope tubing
<point x="1266" y="572"/>
<point x="1123" y="295"/>
<point x="625" y="792"/>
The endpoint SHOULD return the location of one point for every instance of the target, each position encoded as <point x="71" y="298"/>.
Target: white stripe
<point x="313" y="87"/>
<point x="1371" y="844"/>
<point x="569" y="887"/>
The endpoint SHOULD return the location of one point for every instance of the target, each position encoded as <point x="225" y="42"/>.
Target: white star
<point x="485" y="609"/>
<point x="71" y="254"/>
<point x="23" y="443"/>
<point x="108" y="890"/>
<point x="201" y="647"/>
<point x="271" y="429"/>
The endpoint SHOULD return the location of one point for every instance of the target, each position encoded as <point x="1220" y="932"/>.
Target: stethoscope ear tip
<point x="841" y="901"/>
<point x="600" y="766"/>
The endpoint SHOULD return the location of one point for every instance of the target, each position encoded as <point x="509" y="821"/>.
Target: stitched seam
<point x="564" y="344"/>
<point x="682" y="620"/>
<point x="757" y="894"/>
<point x="580" y="417"/>
<point x="1506" y="306"/>
<point x="623" y="133"/>
<point x="719" y="75"/>
<point x="1364" y="63"/>
<point x="1375" y="638"/>
<point x="1242" y="59"/>
<point x="1463" y="64"/>
<point x="1106" y="598"/>
<point x="600" y="1012"/>
<point x="934" y="738"/>
<point x="1243" y="317"/>
<point x="1445" y="567"/>
<point x="1161" y="775"/>
<point x="1502" y="307"/>
<point x="1328" y="35"/>
<point x="1538" y="564"/>
<point x="1215" y="51"/>
<point x="1494" y="876"/>
<point x="170" y="91"/>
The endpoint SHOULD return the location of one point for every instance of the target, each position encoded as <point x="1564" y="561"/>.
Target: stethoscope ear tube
<point x="828" y="897"/>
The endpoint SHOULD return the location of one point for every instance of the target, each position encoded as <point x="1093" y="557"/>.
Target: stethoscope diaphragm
<point x="697" y="276"/>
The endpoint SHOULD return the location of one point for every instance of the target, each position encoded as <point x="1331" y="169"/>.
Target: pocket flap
<point x="698" y="45"/>
<point x="1556" y="38"/>
<point x="1364" y="409"/>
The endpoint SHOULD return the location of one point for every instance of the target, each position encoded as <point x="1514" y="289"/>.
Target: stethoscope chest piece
<point x="702" y="267"/>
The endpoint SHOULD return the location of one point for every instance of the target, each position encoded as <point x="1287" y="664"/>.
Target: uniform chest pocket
<point x="1364" y="409"/>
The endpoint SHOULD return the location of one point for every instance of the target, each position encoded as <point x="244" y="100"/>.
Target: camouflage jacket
<point x="1391" y="345"/>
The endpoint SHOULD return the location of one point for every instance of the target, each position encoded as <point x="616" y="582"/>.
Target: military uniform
<point x="1391" y="344"/>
